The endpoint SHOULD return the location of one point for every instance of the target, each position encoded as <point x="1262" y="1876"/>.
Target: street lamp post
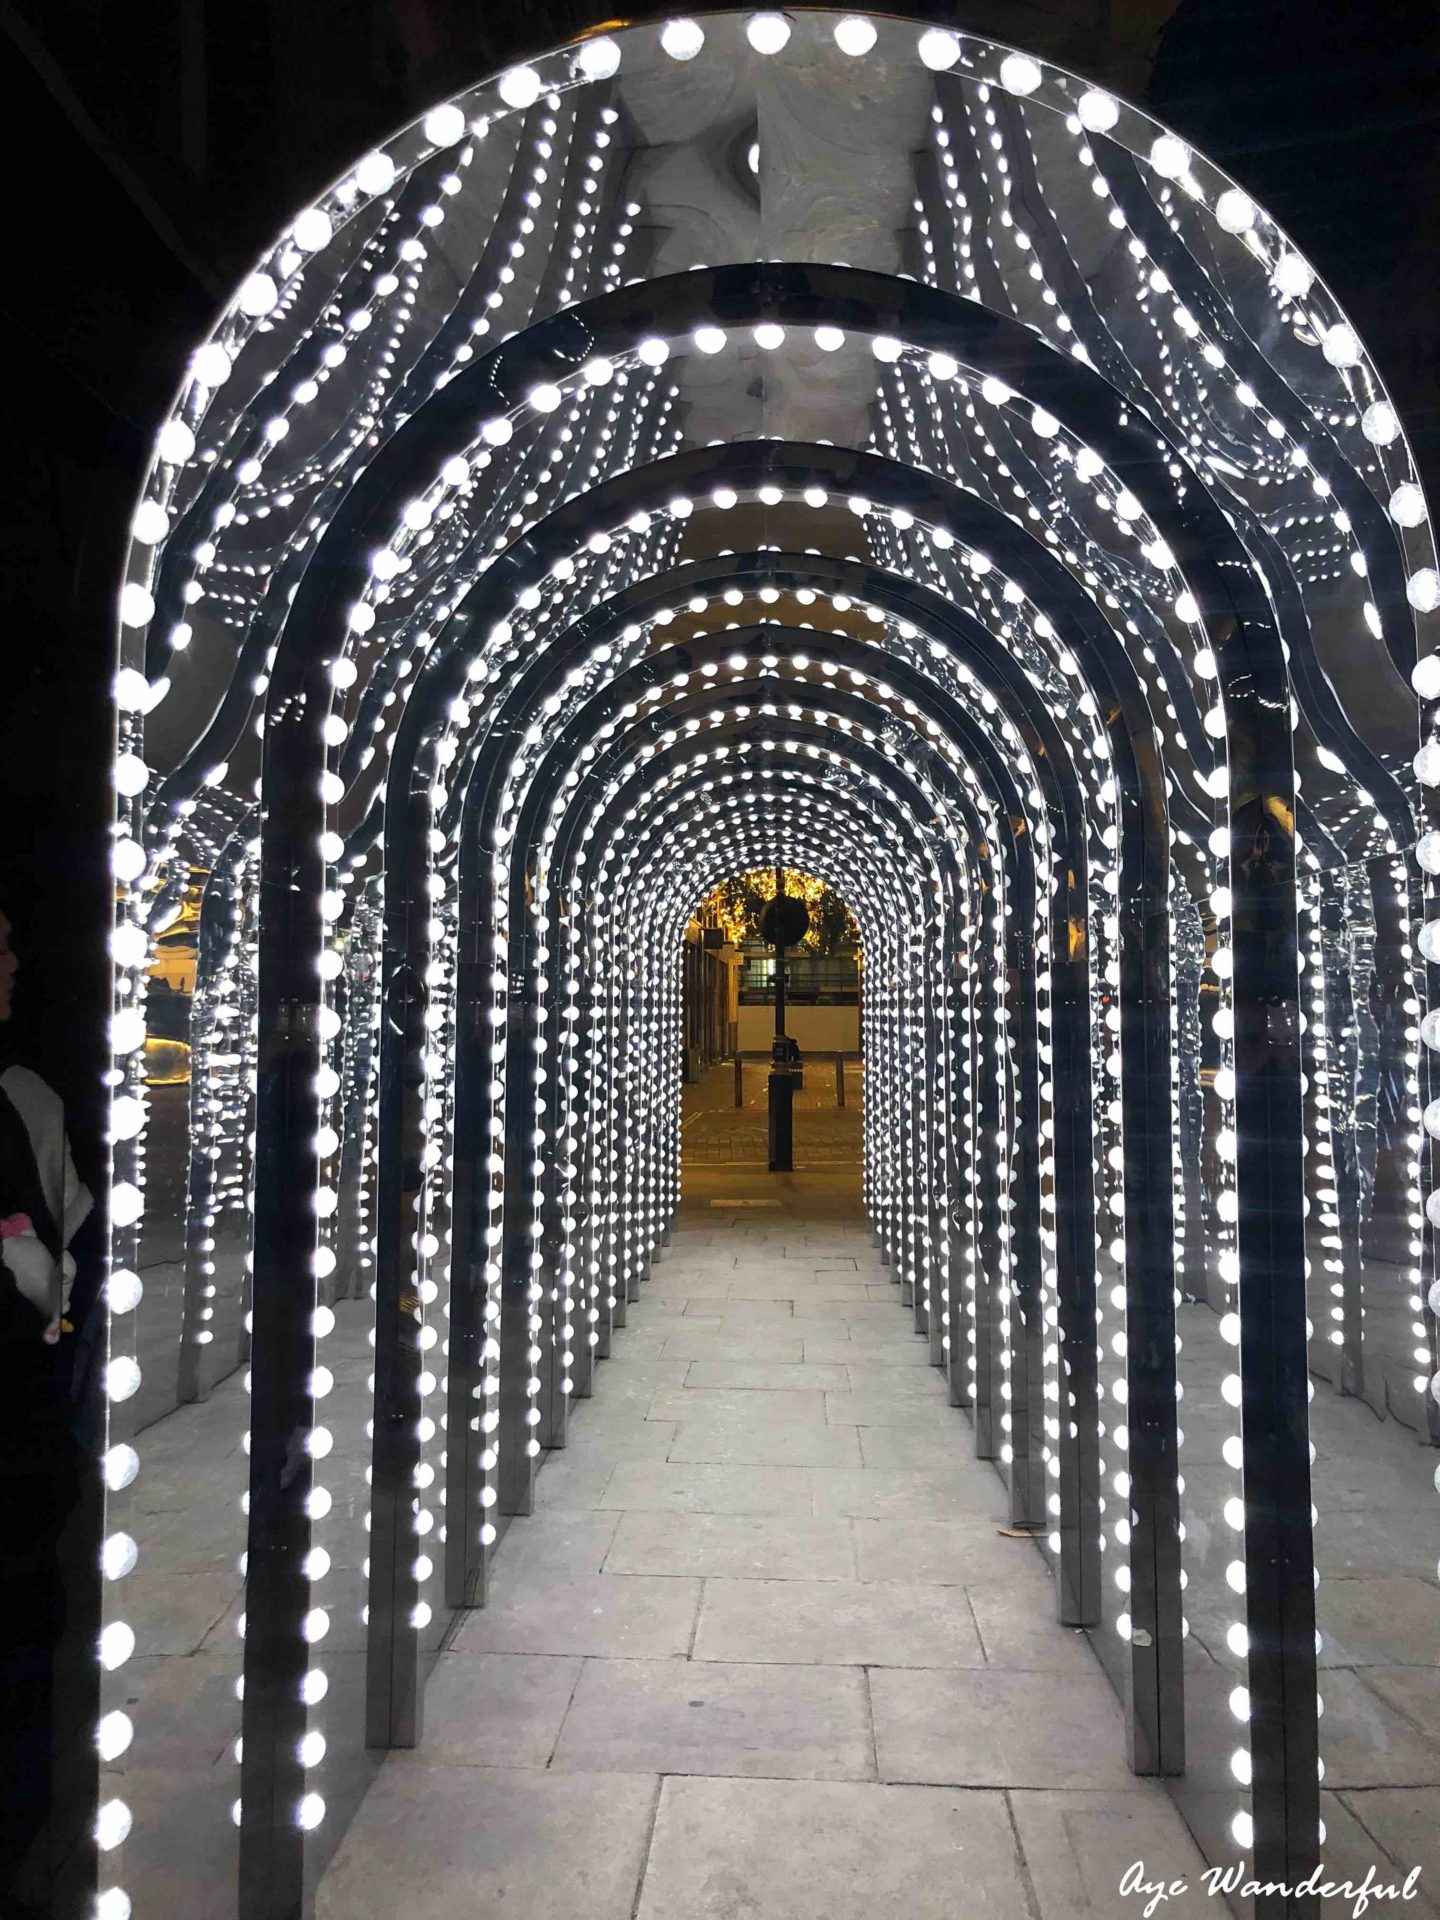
<point x="785" y="921"/>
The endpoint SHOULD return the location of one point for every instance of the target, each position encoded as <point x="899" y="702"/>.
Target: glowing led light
<point x="117" y="1643"/>
<point x="121" y="1465"/>
<point x="1407" y="505"/>
<point x="1293" y="275"/>
<point x="375" y="173"/>
<point x="1097" y="111"/>
<point x="598" y="59"/>
<point x="938" y="49"/>
<point x="311" y="231"/>
<point x="258" y="295"/>
<point x="112" y="1825"/>
<point x="1170" y="157"/>
<point x="1341" y="347"/>
<point x="122" y="1377"/>
<point x="1380" y="424"/>
<point x="520" y="87"/>
<point x="767" y="32"/>
<point x="1019" y="73"/>
<point x="1235" y="211"/>
<point x="136" y="605"/>
<point x="175" y="442"/>
<point x="855" y="35"/>
<point x="118" y="1556"/>
<point x="682" y="39"/>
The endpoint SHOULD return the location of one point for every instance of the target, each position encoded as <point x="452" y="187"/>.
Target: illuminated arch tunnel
<point x="548" y="531"/>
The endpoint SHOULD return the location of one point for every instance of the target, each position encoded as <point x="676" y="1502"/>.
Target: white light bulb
<point x="311" y="231"/>
<point x="114" y="1734"/>
<point x="375" y="173"/>
<point x="1407" y="505"/>
<point x="1170" y="157"/>
<point x="150" y="524"/>
<point x="768" y="33"/>
<point x="682" y="39"/>
<point x="855" y="35"/>
<point x="122" y="1377"/>
<point x="120" y="1466"/>
<point x="1235" y="211"/>
<point x="1097" y="111"/>
<point x="175" y="442"/>
<point x="598" y="59"/>
<point x="938" y="49"/>
<point x="112" y="1825"/>
<point x="1293" y="275"/>
<point x="117" y="1643"/>
<point x="1019" y="73"/>
<point x="520" y="87"/>
<point x="258" y="295"/>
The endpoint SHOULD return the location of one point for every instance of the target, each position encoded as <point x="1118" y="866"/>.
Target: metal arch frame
<point x="1067" y="914"/>
<point x="1154" y="1668"/>
<point x="1254" y="686"/>
<point x="799" y="776"/>
<point x="1019" y="865"/>
<point x="783" y="779"/>
<point x="693" y="772"/>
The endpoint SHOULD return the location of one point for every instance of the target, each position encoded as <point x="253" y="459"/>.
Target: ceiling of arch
<point x="924" y="157"/>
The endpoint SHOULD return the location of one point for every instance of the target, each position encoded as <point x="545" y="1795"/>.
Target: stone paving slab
<point x="1399" y="1824"/>
<point x="1079" y="1844"/>
<point x="436" y="1843"/>
<point x="554" y="1546"/>
<point x="949" y="1553"/>
<point x="995" y="1729"/>
<point x="605" y="1613"/>
<point x="907" y="1494"/>
<point x="738" y="1441"/>
<point x="674" y="1486"/>
<point x="838" y="1623"/>
<point x="843" y="1353"/>
<point x="710" y="1717"/>
<point x="1378" y="1621"/>
<point x="751" y="1376"/>
<point x="744" y="1545"/>
<point x="702" y="1344"/>
<point x="765" y="1604"/>
<point x="497" y="1709"/>
<point x="828" y="1850"/>
<point x="791" y="1407"/>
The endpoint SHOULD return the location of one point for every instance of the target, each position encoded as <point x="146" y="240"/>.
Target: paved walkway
<point x="762" y="1652"/>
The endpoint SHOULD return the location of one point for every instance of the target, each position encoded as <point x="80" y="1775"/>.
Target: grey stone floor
<point x="762" y="1652"/>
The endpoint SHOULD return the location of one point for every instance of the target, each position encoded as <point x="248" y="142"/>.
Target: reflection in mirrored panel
<point x="547" y="524"/>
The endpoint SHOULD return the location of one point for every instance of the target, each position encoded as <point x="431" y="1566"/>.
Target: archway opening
<point x="524" y="560"/>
